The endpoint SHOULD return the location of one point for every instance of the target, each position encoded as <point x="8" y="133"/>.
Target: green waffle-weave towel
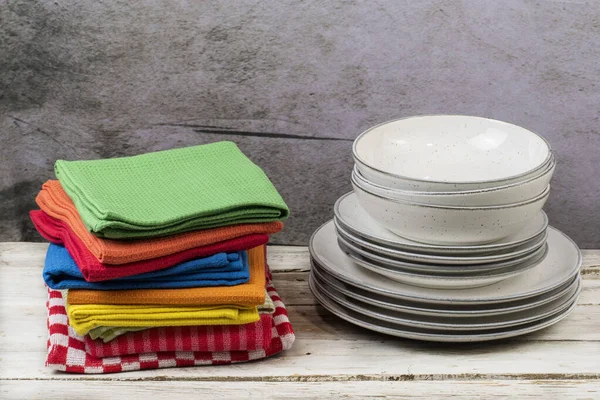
<point x="171" y="191"/>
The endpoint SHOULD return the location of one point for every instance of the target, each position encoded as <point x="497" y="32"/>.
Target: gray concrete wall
<point x="293" y="83"/>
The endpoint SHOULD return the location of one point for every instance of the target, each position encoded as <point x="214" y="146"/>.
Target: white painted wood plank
<point x="295" y="257"/>
<point x="279" y="257"/>
<point x="292" y="286"/>
<point x="26" y="330"/>
<point x="327" y="348"/>
<point x="591" y="258"/>
<point x="314" y="322"/>
<point x="455" y="390"/>
<point x="288" y="258"/>
<point x="24" y="306"/>
<point x="318" y="359"/>
<point x="26" y="268"/>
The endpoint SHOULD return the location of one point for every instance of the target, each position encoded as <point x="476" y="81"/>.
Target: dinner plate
<point x="449" y="322"/>
<point x="443" y="281"/>
<point x="441" y="310"/>
<point x="429" y="335"/>
<point x="352" y="217"/>
<point x="438" y="269"/>
<point x="560" y="265"/>
<point x="486" y="261"/>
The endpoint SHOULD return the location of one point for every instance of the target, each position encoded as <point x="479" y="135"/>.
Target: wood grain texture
<point x="330" y="357"/>
<point x="454" y="390"/>
<point x="86" y="80"/>
<point x="280" y="258"/>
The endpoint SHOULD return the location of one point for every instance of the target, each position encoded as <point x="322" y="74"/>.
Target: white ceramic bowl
<point x="448" y="153"/>
<point x="450" y="225"/>
<point x="351" y="216"/>
<point x="500" y="195"/>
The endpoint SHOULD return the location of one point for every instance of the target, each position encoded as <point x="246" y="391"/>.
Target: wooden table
<point x="331" y="358"/>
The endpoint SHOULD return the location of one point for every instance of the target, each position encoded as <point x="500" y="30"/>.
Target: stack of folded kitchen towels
<point x="159" y="260"/>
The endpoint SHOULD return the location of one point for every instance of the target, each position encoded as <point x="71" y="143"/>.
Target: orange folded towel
<point x="251" y="293"/>
<point x="55" y="202"/>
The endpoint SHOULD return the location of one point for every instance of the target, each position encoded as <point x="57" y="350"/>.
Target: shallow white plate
<point x="431" y="335"/>
<point x="560" y="265"/>
<point x="450" y="322"/>
<point x="485" y="261"/>
<point x="436" y="268"/>
<point x="442" y="310"/>
<point x="352" y="217"/>
<point x="444" y="281"/>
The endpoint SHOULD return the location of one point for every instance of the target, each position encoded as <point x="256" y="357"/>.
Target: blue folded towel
<point x="222" y="269"/>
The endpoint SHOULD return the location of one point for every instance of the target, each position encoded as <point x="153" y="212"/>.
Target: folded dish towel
<point x="256" y="335"/>
<point x="221" y="269"/>
<point x="108" y="333"/>
<point x="172" y="191"/>
<point x="53" y="200"/>
<point x="93" y="271"/>
<point x="165" y="347"/>
<point x="251" y="293"/>
<point x="85" y="317"/>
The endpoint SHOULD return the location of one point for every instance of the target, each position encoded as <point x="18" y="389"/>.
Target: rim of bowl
<point x="404" y="177"/>
<point x="551" y="166"/>
<point x="418" y="245"/>
<point x="539" y="197"/>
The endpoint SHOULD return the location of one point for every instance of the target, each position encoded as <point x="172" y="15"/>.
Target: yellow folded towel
<point x="85" y="317"/>
<point x="108" y="333"/>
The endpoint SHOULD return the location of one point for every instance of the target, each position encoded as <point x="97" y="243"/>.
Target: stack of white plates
<point x="456" y="266"/>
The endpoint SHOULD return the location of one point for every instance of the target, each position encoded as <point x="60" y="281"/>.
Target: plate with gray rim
<point x="441" y="269"/>
<point x="453" y="323"/>
<point x="510" y="254"/>
<point x="430" y="335"/>
<point x="444" y="281"/>
<point x="560" y="265"/>
<point x="441" y="310"/>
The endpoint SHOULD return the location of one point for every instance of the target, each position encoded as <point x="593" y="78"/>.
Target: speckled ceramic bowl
<point x="506" y="194"/>
<point x="447" y="153"/>
<point x="450" y="225"/>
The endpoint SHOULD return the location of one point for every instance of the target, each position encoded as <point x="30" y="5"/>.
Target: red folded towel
<point x="247" y="337"/>
<point x="183" y="347"/>
<point x="93" y="270"/>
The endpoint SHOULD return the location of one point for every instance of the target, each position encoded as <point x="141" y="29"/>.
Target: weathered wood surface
<point x="453" y="390"/>
<point x="330" y="356"/>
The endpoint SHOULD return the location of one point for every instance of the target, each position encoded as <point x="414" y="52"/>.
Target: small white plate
<point x="430" y="335"/>
<point x="485" y="261"/>
<point x="348" y="246"/>
<point x="352" y="217"/>
<point x="442" y="310"/>
<point x="560" y="265"/>
<point x="445" y="281"/>
<point x="450" y="322"/>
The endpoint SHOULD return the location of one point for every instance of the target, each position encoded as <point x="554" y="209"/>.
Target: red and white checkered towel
<point x="165" y="347"/>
